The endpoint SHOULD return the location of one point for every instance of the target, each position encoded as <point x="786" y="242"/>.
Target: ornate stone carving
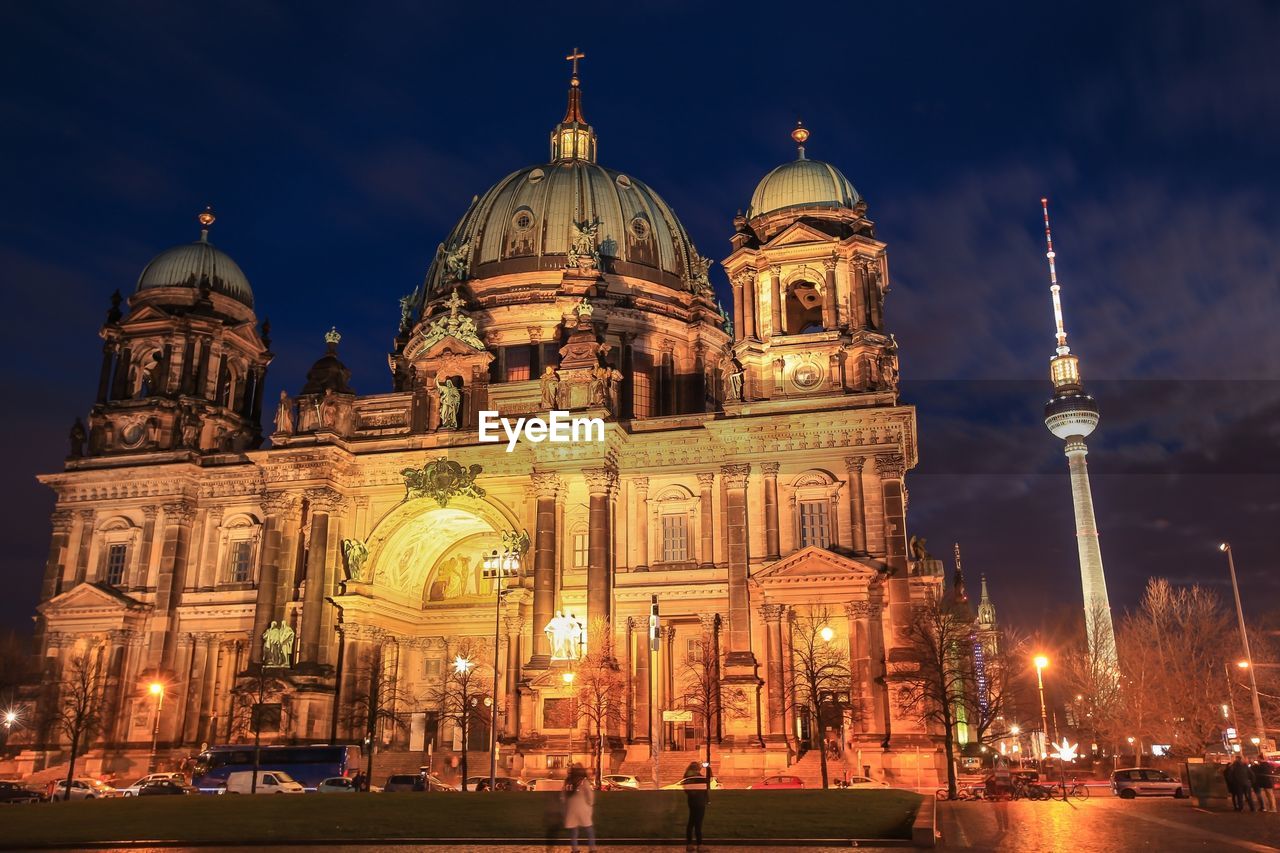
<point x="355" y="554"/>
<point x="854" y="464"/>
<point x="277" y="503"/>
<point x="860" y="609"/>
<point x="323" y="499"/>
<point x="546" y="484"/>
<point x="583" y="254"/>
<point x="735" y="475"/>
<point x="770" y="469"/>
<point x="600" y="480"/>
<point x="706" y="480"/>
<point x="708" y="623"/>
<point x="441" y="479"/>
<point x="455" y="324"/>
<point x="772" y="612"/>
<point x="642" y="486"/>
<point x="182" y="513"/>
<point x="457" y="262"/>
<point x="277" y="645"/>
<point x="62" y="520"/>
<point x="698" y="280"/>
<point x="890" y="466"/>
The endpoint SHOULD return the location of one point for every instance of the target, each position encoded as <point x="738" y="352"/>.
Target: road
<point x="1105" y="823"/>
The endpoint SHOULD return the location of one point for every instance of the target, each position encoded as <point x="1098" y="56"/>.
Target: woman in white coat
<point x="579" y="799"/>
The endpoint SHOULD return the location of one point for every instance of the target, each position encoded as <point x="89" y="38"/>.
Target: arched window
<point x="804" y="308"/>
<point x="815" y="496"/>
<point x="240" y="538"/>
<point x="673" y="510"/>
<point x="117" y="538"/>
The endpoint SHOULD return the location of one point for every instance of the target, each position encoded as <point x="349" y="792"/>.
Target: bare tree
<point x="459" y="693"/>
<point x="599" y="688"/>
<point x="938" y="681"/>
<point x="80" y="705"/>
<point x="997" y="684"/>
<point x="702" y="693"/>
<point x="376" y="703"/>
<point x="821" y="673"/>
<point x="1099" y="703"/>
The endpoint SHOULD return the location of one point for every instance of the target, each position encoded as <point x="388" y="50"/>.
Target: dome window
<point x="623" y="182"/>
<point x="640" y="228"/>
<point x="536" y="175"/>
<point x="522" y="221"/>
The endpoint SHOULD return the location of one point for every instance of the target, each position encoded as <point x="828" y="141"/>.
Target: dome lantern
<point x="573" y="138"/>
<point x="803" y="183"/>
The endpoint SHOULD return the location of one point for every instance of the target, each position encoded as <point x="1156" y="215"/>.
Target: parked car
<point x="269" y="782"/>
<point x="132" y="790"/>
<point x="85" y="789"/>
<point x="401" y="782"/>
<point x="865" y="782"/>
<point x="693" y="782"/>
<point x="162" y="787"/>
<point x="337" y="785"/>
<point x="545" y="784"/>
<point x="621" y="781"/>
<point x="16" y="792"/>
<point x="1146" y="782"/>
<point x="500" y="783"/>
<point x="777" y="783"/>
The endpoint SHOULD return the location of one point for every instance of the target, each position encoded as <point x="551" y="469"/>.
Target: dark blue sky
<point x="339" y="144"/>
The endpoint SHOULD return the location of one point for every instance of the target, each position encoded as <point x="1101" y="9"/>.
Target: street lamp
<point x="1041" y="662"/>
<point x="569" y="677"/>
<point x="156" y="689"/>
<point x="1225" y="548"/>
<point x="827" y="633"/>
<point x="498" y="567"/>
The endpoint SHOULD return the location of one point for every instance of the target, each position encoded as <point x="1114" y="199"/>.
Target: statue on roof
<point x="699" y="280"/>
<point x="457" y="262"/>
<point x="583" y="252"/>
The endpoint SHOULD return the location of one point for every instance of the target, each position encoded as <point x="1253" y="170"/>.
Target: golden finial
<point x="574" y="56"/>
<point x="800" y="135"/>
<point x="206" y="219"/>
<point x="332" y="337"/>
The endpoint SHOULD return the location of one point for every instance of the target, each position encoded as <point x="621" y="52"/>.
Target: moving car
<point x="1146" y="782"/>
<point x="336" y="785"/>
<point x="693" y="782"/>
<point x="84" y="788"/>
<point x="132" y="790"/>
<point x="777" y="783"/>
<point x="16" y="792"/>
<point x="622" y="781"/>
<point x="865" y="782"/>
<point x="162" y="787"/>
<point x="269" y="782"/>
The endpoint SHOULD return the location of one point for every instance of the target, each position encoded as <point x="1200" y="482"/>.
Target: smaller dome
<point x="802" y="183"/>
<point x="190" y="263"/>
<point x="329" y="373"/>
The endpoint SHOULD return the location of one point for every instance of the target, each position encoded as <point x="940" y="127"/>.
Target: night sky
<point x="340" y="145"/>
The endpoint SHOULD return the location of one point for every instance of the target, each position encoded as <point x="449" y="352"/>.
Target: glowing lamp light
<point x="10" y="717"/>
<point x="1130" y="740"/>
<point x="1243" y="664"/>
<point x="1066" y="751"/>
<point x="1255" y="740"/>
<point x="462" y="665"/>
<point x="1223" y="546"/>
<point x="1041" y="661"/>
<point x="827" y="633"/>
<point x="1013" y="730"/>
<point x="155" y="688"/>
<point x="569" y="677"/>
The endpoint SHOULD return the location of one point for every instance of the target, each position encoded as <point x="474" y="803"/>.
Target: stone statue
<point x="735" y="378"/>
<point x="328" y="410"/>
<point x="565" y="634"/>
<point x="284" y="414"/>
<point x="888" y="364"/>
<point x="916" y="547"/>
<point x="450" y="403"/>
<point x="457" y="263"/>
<point x="726" y="320"/>
<point x="550" y="388"/>
<point x="582" y="248"/>
<point x="612" y="387"/>
<point x="577" y="636"/>
<point x="77" y="436"/>
<point x="599" y="379"/>
<point x="699" y="281"/>
<point x="356" y="554"/>
<point x="584" y="311"/>
<point x="277" y="645"/>
<point x="406" y="310"/>
<point x="190" y="430"/>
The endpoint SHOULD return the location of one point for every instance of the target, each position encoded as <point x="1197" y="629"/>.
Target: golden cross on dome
<point x="574" y="57"/>
<point x="454" y="303"/>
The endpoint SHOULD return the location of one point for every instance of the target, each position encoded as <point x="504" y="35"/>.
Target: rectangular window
<point x="240" y="569"/>
<point x="519" y="363"/>
<point x="675" y="538"/>
<point x="115" y="563"/>
<point x="813" y="524"/>
<point x="581" y="550"/>
<point x="693" y="650"/>
<point x="431" y="667"/>
<point x="642" y="385"/>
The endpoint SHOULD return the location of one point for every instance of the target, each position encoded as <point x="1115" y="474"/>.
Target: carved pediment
<point x="796" y="234"/>
<point x="89" y="598"/>
<point x="814" y="563"/>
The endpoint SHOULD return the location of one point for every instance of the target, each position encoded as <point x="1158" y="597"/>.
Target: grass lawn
<point x="733" y="815"/>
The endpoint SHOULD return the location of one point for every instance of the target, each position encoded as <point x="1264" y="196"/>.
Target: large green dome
<point x="190" y="263"/>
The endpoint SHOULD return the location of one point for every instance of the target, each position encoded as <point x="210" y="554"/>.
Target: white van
<point x="269" y="782"/>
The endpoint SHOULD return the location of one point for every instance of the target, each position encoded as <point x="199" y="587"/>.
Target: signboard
<point x="677" y="716"/>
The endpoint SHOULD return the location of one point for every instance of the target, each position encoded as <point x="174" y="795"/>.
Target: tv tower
<point x="1072" y="416"/>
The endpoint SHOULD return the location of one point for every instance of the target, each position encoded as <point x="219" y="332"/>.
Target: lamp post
<point x="497" y="567"/>
<point x="156" y="689"/>
<point x="1225" y="548"/>
<point x="1041" y="662"/>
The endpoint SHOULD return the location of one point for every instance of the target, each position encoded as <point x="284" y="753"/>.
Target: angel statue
<point x="699" y="281"/>
<point x="583" y="253"/>
<point x="356" y="554"/>
<point x="450" y="403"/>
<point x="457" y="262"/>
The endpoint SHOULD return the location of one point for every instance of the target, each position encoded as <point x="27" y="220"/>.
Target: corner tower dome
<point x="190" y="264"/>
<point x="802" y="183"/>
<point x="527" y="222"/>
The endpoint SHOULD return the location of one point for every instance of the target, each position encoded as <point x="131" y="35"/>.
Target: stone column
<point x="708" y="529"/>
<point x="775" y="672"/>
<point x="287" y="563"/>
<point x="669" y="674"/>
<point x="641" y="485"/>
<point x="643" y="678"/>
<point x="142" y="567"/>
<point x="133" y="653"/>
<point x="709" y="623"/>
<point x="739" y="288"/>
<point x="775" y="297"/>
<point x="628" y="669"/>
<point x="858" y="614"/>
<point x="545" y="541"/>
<point x="86" y="517"/>
<point x="62" y="521"/>
<point x="276" y="506"/>
<point x="829" y="294"/>
<point x="104" y="375"/>
<point x="859" y="295"/>
<point x="891" y="467"/>
<point x="196" y="698"/>
<point x="857" y="504"/>
<point x="511" y="676"/>
<point x="322" y="502"/>
<point x="114" y="692"/>
<point x="770" y="470"/>
<point x="600" y="483"/>
<point x="207" y="692"/>
<point x="173" y="566"/>
<point x="207" y="577"/>
<point x="740" y="654"/>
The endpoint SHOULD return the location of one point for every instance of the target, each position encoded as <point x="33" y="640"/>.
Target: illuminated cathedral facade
<point x="283" y="552"/>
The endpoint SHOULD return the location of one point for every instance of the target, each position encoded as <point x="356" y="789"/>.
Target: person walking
<point x="1263" y="782"/>
<point x="1240" y="784"/>
<point x="697" y="796"/>
<point x="579" y="799"/>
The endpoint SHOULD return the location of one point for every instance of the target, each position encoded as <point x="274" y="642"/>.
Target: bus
<point x="310" y="765"/>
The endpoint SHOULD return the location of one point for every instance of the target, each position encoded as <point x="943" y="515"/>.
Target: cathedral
<point x="741" y="469"/>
